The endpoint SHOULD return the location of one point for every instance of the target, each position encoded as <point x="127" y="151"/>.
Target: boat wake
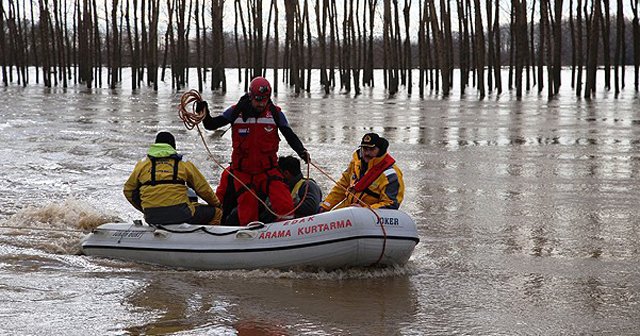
<point x="57" y="227"/>
<point x="410" y="268"/>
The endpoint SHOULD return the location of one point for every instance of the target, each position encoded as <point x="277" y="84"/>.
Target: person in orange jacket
<point x="255" y="121"/>
<point x="372" y="176"/>
<point x="159" y="183"/>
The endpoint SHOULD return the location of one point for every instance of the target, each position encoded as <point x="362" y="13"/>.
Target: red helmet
<point x="259" y="89"/>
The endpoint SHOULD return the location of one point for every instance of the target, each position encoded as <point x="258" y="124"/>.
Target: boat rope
<point x="192" y="119"/>
<point x="252" y="226"/>
<point x="9" y="227"/>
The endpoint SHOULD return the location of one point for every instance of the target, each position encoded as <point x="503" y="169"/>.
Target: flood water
<point x="527" y="212"/>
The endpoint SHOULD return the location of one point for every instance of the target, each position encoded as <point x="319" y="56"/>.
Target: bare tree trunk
<point x="21" y="43"/>
<point x="542" y="37"/>
<point x="532" y="49"/>
<point x="480" y="51"/>
<point x="265" y="56"/>
<point x="131" y="48"/>
<point x="300" y="49"/>
<point x="321" y="26"/>
<point x="309" y="45"/>
<point x="397" y="45"/>
<point x="276" y="61"/>
<point x="636" y="43"/>
<point x="498" y="64"/>
<point x="421" y="48"/>
<point x="84" y="32"/>
<point x="387" y="45"/>
<point x="557" y="49"/>
<point x="443" y="63"/>
<point x="204" y="47"/>
<point x="218" y="77"/>
<point x="593" y="32"/>
<point x="521" y="42"/>
<point x="490" y="45"/>
<point x="114" y="45"/>
<point x="152" y="57"/>
<point x="258" y="38"/>
<point x="3" y="47"/>
<point x="17" y="48"/>
<point x="620" y="50"/>
<point x="471" y="42"/>
<point x="579" y="57"/>
<point x="448" y="41"/>
<point x="346" y="46"/>
<point x="135" y="56"/>
<point x="549" y="56"/>
<point x="573" y="45"/>
<point x="199" y="61"/>
<point x="289" y="8"/>
<point x="606" y="44"/>
<point x="45" y="40"/>
<point x="98" y="45"/>
<point x="180" y="45"/>
<point x="337" y="53"/>
<point x="168" y="42"/>
<point x="369" y="65"/>
<point x="36" y="62"/>
<point x="407" y="45"/>
<point x="463" y="46"/>
<point x="236" y="39"/>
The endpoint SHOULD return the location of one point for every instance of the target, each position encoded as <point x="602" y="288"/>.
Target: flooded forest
<point x="59" y="43"/>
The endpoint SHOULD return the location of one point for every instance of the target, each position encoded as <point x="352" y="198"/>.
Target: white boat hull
<point x="348" y="237"/>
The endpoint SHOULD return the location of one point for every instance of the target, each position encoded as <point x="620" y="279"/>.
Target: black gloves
<point x="305" y="157"/>
<point x="244" y="103"/>
<point x="202" y="105"/>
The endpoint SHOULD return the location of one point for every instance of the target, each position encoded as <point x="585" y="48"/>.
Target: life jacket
<point x="296" y="189"/>
<point x="372" y="174"/>
<point x="174" y="180"/>
<point x="255" y="140"/>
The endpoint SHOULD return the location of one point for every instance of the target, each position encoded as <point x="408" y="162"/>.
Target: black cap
<point x="370" y="140"/>
<point x="167" y="138"/>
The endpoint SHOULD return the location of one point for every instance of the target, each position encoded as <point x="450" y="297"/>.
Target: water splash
<point x="60" y="226"/>
<point x="70" y="214"/>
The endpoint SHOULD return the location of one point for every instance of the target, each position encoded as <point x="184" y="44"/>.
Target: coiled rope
<point x="192" y="118"/>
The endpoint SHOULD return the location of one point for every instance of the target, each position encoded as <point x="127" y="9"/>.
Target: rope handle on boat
<point x="250" y="227"/>
<point x="192" y="118"/>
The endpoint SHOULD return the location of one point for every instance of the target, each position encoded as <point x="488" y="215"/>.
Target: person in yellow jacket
<point x="372" y="176"/>
<point x="158" y="187"/>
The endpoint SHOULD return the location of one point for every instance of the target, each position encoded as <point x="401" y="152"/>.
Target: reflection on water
<point x="526" y="208"/>
<point x="206" y="302"/>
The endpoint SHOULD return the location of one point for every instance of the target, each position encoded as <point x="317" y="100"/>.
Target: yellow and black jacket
<point x="158" y="186"/>
<point x="386" y="191"/>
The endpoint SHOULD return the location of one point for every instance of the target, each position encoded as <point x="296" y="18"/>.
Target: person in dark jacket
<point x="302" y="189"/>
<point x="158" y="187"/>
<point x="255" y="124"/>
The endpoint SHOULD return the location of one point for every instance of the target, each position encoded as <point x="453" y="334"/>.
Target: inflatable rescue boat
<point x="349" y="237"/>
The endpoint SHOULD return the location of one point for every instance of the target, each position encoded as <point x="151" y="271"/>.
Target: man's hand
<point x="305" y="157"/>
<point x="202" y="105"/>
